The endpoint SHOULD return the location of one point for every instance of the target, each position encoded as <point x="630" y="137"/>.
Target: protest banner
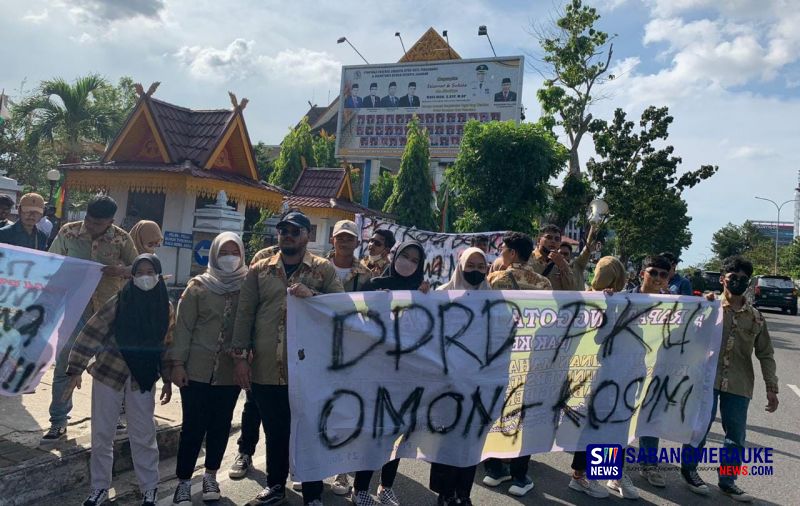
<point x="42" y="297"/>
<point x="442" y="251"/>
<point x="457" y="377"/>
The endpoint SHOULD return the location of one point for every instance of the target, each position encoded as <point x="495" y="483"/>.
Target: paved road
<point x="780" y="431"/>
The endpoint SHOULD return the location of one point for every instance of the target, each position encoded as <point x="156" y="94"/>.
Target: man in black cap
<point x="260" y="331"/>
<point x="479" y="88"/>
<point x="372" y="100"/>
<point x="353" y="101"/>
<point x="506" y="95"/>
<point x="410" y="100"/>
<point x="391" y="99"/>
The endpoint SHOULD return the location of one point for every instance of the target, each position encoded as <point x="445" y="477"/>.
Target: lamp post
<point x="482" y="31"/>
<point x="344" y="39"/>
<point x="777" y="225"/>
<point x="397" y="34"/>
<point x="53" y="175"/>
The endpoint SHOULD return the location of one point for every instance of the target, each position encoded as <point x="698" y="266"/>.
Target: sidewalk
<point x="29" y="473"/>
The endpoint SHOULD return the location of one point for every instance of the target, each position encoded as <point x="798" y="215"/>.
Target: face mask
<point x="145" y="283"/>
<point x="737" y="285"/>
<point x="375" y="258"/>
<point x="474" y="278"/>
<point x="229" y="263"/>
<point x="405" y="267"/>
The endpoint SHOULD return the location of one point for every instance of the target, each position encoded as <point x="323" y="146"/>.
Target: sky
<point x="729" y="71"/>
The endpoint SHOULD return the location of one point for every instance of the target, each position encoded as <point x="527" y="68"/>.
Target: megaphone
<point x="598" y="211"/>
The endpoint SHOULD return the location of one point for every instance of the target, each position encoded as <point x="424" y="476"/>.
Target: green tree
<point x="733" y="240"/>
<point x="298" y="145"/>
<point x="325" y="150"/>
<point x="411" y="200"/>
<point x="577" y="59"/>
<point x="381" y="190"/>
<point x="120" y="99"/>
<point x="69" y="117"/>
<point x="574" y="196"/>
<point x="500" y="175"/>
<point x="264" y="164"/>
<point x="641" y="185"/>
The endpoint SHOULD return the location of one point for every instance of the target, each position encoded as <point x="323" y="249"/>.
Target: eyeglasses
<point x="294" y="233"/>
<point x="376" y="243"/>
<point x="658" y="273"/>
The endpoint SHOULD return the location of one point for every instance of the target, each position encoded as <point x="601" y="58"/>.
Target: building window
<point x="312" y="236"/>
<point x="144" y="206"/>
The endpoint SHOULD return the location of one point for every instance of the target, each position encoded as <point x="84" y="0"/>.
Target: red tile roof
<point x="319" y="182"/>
<point x="187" y="134"/>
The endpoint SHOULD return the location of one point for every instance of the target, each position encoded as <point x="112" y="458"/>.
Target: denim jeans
<point x="60" y="408"/>
<point x="733" y="411"/>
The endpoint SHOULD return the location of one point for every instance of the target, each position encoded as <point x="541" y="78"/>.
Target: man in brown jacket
<point x="547" y="261"/>
<point x="260" y="328"/>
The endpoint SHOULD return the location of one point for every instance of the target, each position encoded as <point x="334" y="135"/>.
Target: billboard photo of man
<point x="410" y="100"/>
<point x="479" y="87"/>
<point x="372" y="100"/>
<point x="353" y="101"/>
<point x="506" y="95"/>
<point x="391" y="99"/>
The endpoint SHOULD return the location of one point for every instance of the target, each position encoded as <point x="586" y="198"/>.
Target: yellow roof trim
<point x="141" y="109"/>
<point x="251" y="164"/>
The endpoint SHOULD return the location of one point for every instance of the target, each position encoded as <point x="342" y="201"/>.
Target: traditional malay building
<point x="169" y="162"/>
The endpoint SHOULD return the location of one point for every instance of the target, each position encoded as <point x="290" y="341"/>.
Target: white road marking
<point x="794" y="388"/>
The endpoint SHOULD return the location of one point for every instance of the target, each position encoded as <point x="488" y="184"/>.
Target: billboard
<point x="377" y="102"/>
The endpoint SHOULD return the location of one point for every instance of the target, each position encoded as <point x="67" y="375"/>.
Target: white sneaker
<point x="654" y="476"/>
<point x="341" y="484"/>
<point x="592" y="488"/>
<point x="297" y="486"/>
<point x="624" y="487"/>
<point x="521" y="487"/>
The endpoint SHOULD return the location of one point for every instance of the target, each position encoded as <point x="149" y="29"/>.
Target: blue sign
<point x="201" y="252"/>
<point x="604" y="462"/>
<point x="178" y="240"/>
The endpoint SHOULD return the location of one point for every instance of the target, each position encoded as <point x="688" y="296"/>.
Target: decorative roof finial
<point x="233" y="99"/>
<point x="152" y="89"/>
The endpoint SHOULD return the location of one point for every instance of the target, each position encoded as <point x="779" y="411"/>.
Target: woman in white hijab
<point x="202" y="367"/>
<point x="454" y="484"/>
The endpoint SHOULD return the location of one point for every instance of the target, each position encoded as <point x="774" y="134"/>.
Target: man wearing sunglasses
<point x="260" y="329"/>
<point x="547" y="261"/>
<point x="379" y="246"/>
<point x="744" y="331"/>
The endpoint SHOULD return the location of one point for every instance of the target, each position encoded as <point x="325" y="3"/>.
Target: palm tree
<point x="69" y="116"/>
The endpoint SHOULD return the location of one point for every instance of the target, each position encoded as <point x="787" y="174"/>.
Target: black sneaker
<point x="270" y="495"/>
<point x="54" y="435"/>
<point x="240" y="466"/>
<point x="97" y="497"/>
<point x="735" y="493"/>
<point x="210" y="488"/>
<point x="694" y="482"/>
<point x="183" y="493"/>
<point x="150" y="497"/>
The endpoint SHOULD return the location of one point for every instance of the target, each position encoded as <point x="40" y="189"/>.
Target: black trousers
<point x="251" y="427"/>
<point x="451" y="481"/>
<point x="579" y="462"/>
<point x="519" y="466"/>
<point x="273" y="404"/>
<point x="388" y="474"/>
<point x="207" y="413"/>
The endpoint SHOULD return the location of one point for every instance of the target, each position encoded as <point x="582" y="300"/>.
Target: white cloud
<point x="36" y="18"/>
<point x="748" y="152"/>
<point x="84" y="38"/>
<point x="103" y="11"/>
<point x="239" y="60"/>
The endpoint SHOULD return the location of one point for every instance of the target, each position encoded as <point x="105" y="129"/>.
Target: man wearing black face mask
<point x="744" y="331"/>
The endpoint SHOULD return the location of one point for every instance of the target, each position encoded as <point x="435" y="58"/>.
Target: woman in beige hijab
<point x="146" y="236"/>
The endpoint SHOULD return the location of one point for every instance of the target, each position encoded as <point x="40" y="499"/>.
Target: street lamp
<point x="53" y="175"/>
<point x="777" y="225"/>
<point x="397" y="34"/>
<point x="481" y="32"/>
<point x="344" y="39"/>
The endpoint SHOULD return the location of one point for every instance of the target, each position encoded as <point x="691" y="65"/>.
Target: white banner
<point x="457" y="377"/>
<point x="378" y="101"/>
<point x="42" y="297"/>
<point x="442" y="251"/>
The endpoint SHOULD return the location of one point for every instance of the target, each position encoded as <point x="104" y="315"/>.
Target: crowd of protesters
<point x="228" y="334"/>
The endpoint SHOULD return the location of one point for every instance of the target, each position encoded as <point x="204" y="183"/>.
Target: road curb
<point x="30" y="481"/>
